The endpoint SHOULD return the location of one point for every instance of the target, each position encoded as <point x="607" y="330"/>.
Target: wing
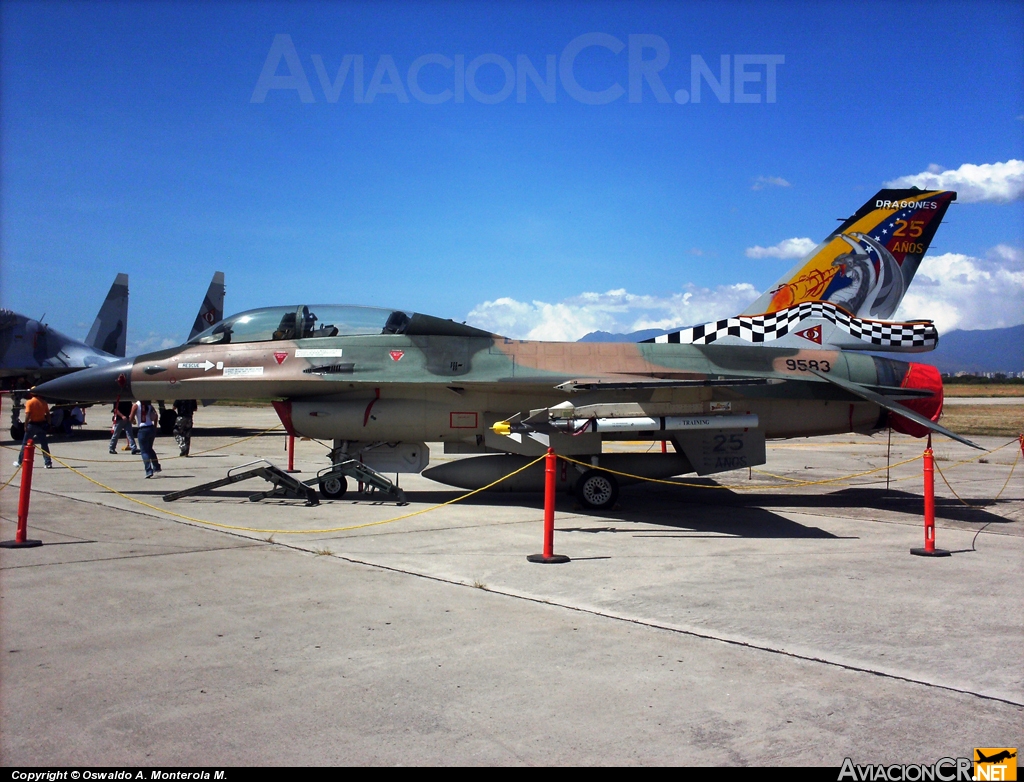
<point x="889" y="404"/>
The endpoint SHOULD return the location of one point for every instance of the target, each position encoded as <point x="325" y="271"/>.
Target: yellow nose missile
<point x="502" y="428"/>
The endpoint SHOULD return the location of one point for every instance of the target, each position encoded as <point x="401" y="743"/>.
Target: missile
<point x="478" y="471"/>
<point x="671" y="423"/>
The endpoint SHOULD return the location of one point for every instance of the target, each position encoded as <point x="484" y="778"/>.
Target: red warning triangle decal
<point x="280" y="356"/>
<point x="813" y="334"/>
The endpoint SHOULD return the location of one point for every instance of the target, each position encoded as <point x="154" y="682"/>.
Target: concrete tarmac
<point x="694" y="625"/>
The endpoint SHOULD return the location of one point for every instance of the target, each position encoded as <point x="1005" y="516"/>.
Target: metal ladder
<point x="287" y="486"/>
<point x="355" y="469"/>
<point x="284" y="484"/>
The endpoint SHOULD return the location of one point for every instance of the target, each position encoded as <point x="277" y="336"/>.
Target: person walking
<point x="122" y="425"/>
<point x="185" y="408"/>
<point x="144" y="415"/>
<point x="37" y="414"/>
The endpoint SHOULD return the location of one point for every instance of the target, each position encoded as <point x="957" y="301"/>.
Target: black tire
<point x="597" y="490"/>
<point x="167" y="420"/>
<point x="17" y="431"/>
<point x="334" y="487"/>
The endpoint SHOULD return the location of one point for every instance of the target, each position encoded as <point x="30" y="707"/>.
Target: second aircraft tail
<point x="212" y="309"/>
<point x="109" y="331"/>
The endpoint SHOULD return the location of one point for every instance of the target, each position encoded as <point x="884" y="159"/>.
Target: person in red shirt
<point x="37" y="414"/>
<point x="121" y="425"/>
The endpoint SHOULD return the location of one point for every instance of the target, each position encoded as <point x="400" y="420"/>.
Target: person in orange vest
<point x="37" y="414"/>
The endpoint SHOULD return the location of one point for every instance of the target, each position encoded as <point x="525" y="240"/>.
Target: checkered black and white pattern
<point x="765" y="328"/>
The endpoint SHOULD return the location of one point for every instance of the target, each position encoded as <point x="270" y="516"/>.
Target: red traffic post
<point x="549" y="557"/>
<point x="21" y="536"/>
<point x="929" y="549"/>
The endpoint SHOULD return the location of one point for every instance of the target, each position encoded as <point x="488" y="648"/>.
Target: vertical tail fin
<point x="212" y="309"/>
<point x="866" y="265"/>
<point x="109" y="331"/>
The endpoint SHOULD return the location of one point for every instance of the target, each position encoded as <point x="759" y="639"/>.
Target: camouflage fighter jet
<point x="31" y="351"/>
<point x="383" y="383"/>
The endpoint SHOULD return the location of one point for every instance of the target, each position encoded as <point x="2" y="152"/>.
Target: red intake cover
<point x="926" y="377"/>
<point x="284" y="412"/>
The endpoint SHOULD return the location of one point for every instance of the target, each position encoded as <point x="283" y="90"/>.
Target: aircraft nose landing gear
<point x="17" y="425"/>
<point x="333" y="487"/>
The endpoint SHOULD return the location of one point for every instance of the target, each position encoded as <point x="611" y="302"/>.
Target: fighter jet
<point x="31" y="351"/>
<point x="383" y="383"/>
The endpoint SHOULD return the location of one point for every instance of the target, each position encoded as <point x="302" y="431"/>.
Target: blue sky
<point x="134" y="139"/>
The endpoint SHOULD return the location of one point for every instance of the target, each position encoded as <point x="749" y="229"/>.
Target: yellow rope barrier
<point x="791" y="483"/>
<point x="301" y="531"/>
<point x="739" y="487"/>
<point x="998" y="495"/>
<point x="170" y="458"/>
<point x="1007" y="481"/>
<point x="13" y="474"/>
<point x="796" y="481"/>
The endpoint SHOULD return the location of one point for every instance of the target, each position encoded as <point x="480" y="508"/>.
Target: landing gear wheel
<point x="597" y="490"/>
<point x="334" y="488"/>
<point x="17" y="431"/>
<point x="167" y="420"/>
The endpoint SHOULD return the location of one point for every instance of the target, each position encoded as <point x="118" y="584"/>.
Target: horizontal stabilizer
<point x="811" y="325"/>
<point x="895" y="407"/>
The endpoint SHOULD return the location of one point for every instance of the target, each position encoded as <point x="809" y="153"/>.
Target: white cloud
<point x="963" y="292"/>
<point x="617" y="311"/>
<point x="151" y="342"/>
<point x="997" y="182"/>
<point x="769" y="181"/>
<point x="787" y="248"/>
<point x="957" y="291"/>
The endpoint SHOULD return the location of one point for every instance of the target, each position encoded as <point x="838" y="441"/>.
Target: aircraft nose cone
<point x="96" y="384"/>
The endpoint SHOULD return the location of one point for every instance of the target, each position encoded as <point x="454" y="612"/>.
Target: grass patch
<point x="247" y="402"/>
<point x="323" y="552"/>
<point x="995" y="420"/>
<point x="978" y="389"/>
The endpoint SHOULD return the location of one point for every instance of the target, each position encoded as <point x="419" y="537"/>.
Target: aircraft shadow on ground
<point x="684" y="510"/>
<point x="746" y="514"/>
<point x="880" y="499"/>
<point x="668" y="511"/>
<point x="661" y="506"/>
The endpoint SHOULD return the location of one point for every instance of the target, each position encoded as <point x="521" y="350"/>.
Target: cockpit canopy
<point x="326" y="320"/>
